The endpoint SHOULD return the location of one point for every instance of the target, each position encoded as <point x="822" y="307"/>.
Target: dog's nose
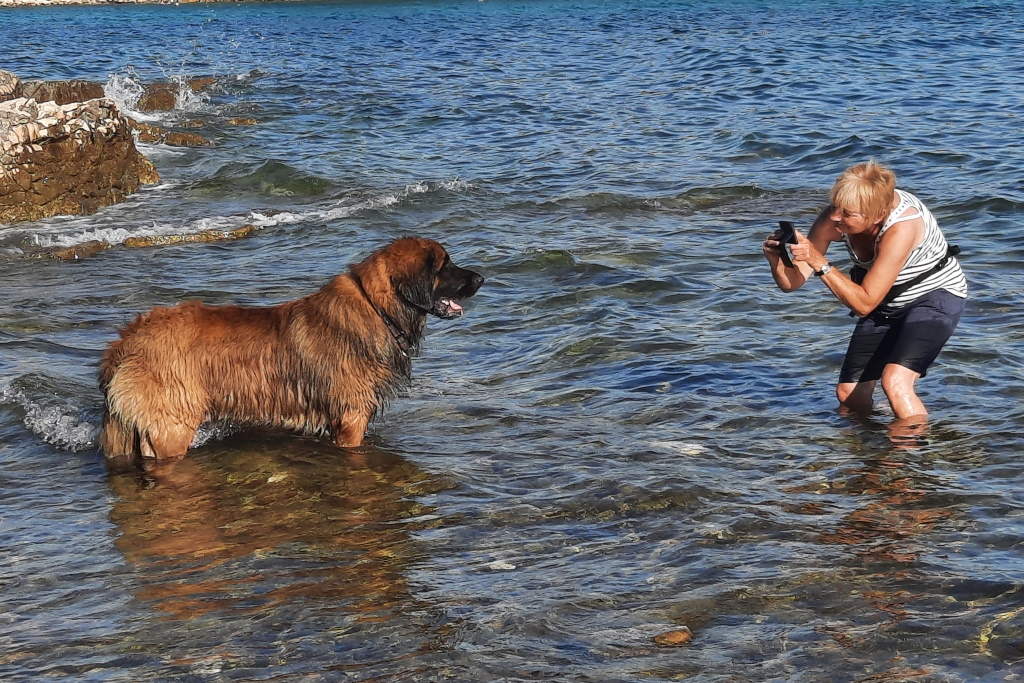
<point x="477" y="280"/>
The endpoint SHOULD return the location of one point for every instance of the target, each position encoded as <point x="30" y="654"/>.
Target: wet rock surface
<point x="202" y="236"/>
<point x="61" y="92"/>
<point x="165" y="96"/>
<point x="156" y="135"/>
<point x="84" y="250"/>
<point x="64" y="157"/>
<point x="675" y="638"/>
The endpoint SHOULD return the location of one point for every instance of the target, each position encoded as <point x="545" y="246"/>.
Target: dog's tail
<point x="118" y="440"/>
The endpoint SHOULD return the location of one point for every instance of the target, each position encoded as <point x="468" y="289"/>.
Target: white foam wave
<point x="158" y="151"/>
<point x="187" y="99"/>
<point x="680" y="447"/>
<point x="213" y="432"/>
<point x="59" y="235"/>
<point x="116" y="236"/>
<point x="453" y="185"/>
<point x="126" y="91"/>
<point x="58" y="424"/>
<point x="62" y="425"/>
<point x="348" y="208"/>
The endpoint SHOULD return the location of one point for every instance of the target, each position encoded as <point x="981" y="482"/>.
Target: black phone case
<point x="788" y="236"/>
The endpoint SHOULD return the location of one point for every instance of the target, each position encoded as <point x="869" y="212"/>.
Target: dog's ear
<point x="417" y="286"/>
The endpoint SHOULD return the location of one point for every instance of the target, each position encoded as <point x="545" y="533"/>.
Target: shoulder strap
<point x="916" y="214"/>
<point x="951" y="251"/>
<point x="857" y="274"/>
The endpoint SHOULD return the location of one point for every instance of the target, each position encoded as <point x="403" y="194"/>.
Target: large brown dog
<point x="320" y="365"/>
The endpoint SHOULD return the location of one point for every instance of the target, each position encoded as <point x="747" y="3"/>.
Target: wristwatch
<point x="825" y="270"/>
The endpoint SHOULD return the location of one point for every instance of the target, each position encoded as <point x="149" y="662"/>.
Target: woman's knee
<point x="856" y="395"/>
<point x="897" y="379"/>
<point x="898" y="385"/>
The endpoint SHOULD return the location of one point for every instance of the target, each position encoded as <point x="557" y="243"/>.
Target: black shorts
<point x="912" y="337"/>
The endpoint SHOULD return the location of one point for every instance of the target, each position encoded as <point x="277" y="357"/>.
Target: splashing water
<point x="54" y="420"/>
<point x="126" y="90"/>
<point x="187" y="100"/>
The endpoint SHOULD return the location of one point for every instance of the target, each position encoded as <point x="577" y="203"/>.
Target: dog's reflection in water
<point x="249" y="524"/>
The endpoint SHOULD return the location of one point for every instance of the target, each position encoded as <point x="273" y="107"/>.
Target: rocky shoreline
<point x="64" y="149"/>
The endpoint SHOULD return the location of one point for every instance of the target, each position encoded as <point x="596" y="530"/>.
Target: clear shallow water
<point x="629" y="431"/>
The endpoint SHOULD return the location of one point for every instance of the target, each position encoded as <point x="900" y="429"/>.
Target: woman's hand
<point x="771" y="247"/>
<point x="787" y="279"/>
<point x="805" y="252"/>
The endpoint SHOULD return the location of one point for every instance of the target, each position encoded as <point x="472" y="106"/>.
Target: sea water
<point x="630" y="431"/>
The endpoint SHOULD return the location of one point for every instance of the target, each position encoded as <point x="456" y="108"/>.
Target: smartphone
<point x="787" y="235"/>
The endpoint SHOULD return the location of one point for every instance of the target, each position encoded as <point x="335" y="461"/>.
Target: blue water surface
<point x="630" y="431"/>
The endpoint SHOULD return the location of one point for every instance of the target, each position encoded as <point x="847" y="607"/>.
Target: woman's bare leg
<point x="898" y="385"/>
<point x="856" y="395"/>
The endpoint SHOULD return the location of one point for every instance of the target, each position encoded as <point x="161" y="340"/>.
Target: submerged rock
<point x="203" y="236"/>
<point x="158" y="97"/>
<point x="154" y="134"/>
<point x="93" y="247"/>
<point x="79" y="251"/>
<point x="675" y="638"/>
<point x="71" y="158"/>
<point x="163" y="96"/>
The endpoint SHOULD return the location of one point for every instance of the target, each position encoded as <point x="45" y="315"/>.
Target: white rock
<point x="501" y="565"/>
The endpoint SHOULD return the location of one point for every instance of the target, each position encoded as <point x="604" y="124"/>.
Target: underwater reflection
<point x="909" y="433"/>
<point x="253" y="525"/>
<point x="904" y="503"/>
<point x="885" y="530"/>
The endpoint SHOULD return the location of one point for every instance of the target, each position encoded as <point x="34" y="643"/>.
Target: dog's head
<point x="419" y="275"/>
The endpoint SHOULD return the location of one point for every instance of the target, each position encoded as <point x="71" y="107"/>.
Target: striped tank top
<point x="924" y="256"/>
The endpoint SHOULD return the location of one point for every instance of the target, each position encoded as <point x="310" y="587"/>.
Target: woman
<point x="911" y="295"/>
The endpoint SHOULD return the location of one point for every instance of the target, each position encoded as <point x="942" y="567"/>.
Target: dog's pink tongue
<point x="453" y="307"/>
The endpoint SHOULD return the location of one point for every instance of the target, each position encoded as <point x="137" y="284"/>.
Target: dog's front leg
<point x="350" y="429"/>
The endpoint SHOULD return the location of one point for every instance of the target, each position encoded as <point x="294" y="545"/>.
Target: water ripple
<point x="629" y="431"/>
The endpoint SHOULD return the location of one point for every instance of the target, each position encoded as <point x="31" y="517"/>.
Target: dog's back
<point x="174" y="368"/>
<point x="322" y="364"/>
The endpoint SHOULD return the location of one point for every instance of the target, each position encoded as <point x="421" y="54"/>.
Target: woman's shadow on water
<point x="256" y="522"/>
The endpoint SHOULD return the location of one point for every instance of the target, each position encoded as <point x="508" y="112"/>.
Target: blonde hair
<point x="865" y="189"/>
